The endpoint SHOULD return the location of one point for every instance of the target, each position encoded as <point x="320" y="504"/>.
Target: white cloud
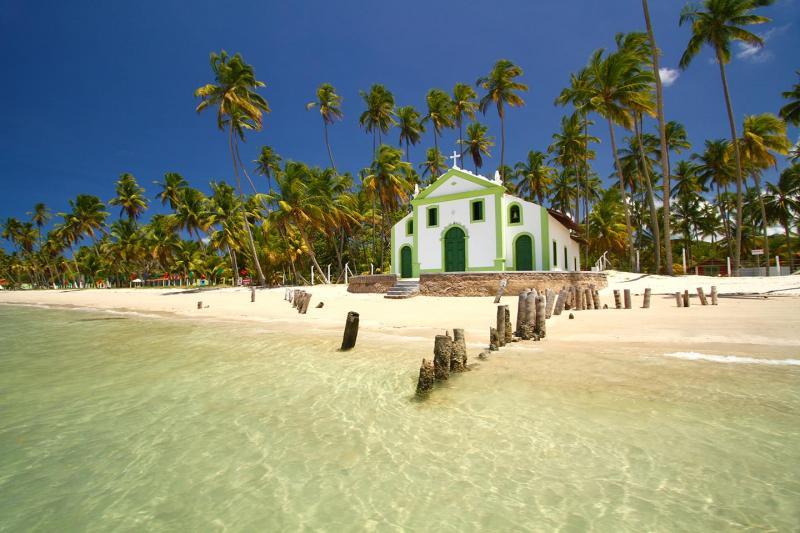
<point x="759" y="54"/>
<point x="668" y="75"/>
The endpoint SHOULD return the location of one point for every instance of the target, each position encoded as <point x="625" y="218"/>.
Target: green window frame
<point x="511" y="221"/>
<point x="481" y="206"/>
<point x="555" y="253"/>
<point x="566" y="261"/>
<point x="410" y="227"/>
<point x="432" y="210"/>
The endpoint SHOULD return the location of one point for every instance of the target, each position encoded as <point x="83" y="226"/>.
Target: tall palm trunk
<point x="628" y="229"/>
<point x="738" y="249"/>
<point x="245" y="222"/>
<point x="328" y="145"/>
<point x="665" y="170"/>
<point x="502" y="144"/>
<point x="785" y="224"/>
<point x="764" y="223"/>
<point x="311" y="253"/>
<point x="234" y="265"/>
<point x="726" y="223"/>
<point x="651" y="200"/>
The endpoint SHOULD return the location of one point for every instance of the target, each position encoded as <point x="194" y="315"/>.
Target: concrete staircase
<point x="404" y="288"/>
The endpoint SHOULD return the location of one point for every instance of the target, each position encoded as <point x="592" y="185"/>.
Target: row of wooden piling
<point x="682" y="300"/>
<point x="449" y="356"/>
<point x="299" y="299"/>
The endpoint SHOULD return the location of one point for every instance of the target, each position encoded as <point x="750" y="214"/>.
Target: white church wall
<point x="561" y="236"/>
<point x="531" y="223"/>
<point x="481" y="246"/>
<point x="400" y="239"/>
<point x="454" y="185"/>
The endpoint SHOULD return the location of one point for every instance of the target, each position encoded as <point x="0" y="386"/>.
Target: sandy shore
<point x="769" y="324"/>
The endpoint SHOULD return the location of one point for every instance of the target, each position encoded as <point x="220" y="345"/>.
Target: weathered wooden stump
<point x="678" y="299"/>
<point x="320" y="305"/>
<point x="646" y="299"/>
<point x="350" y="331"/>
<point x="500" y="290"/>
<point x="442" y="350"/>
<point x="627" y="298"/>
<point x="686" y="298"/>
<point x="550" y="302"/>
<point x="296" y="296"/>
<point x="595" y="297"/>
<point x="541" y="321"/>
<point x="529" y="316"/>
<point x="303" y="307"/>
<point x="562" y="297"/>
<point x="713" y="295"/>
<point x="494" y="340"/>
<point x="427" y="377"/>
<point x="702" y="296"/>
<point x="523" y="296"/>
<point x="458" y="359"/>
<point x="587" y="295"/>
<point x="509" y="332"/>
<point x="617" y="300"/>
<point x="252" y="294"/>
<point x="200" y="304"/>
<point x="501" y="325"/>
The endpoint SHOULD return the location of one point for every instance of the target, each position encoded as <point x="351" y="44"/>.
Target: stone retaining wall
<point x="378" y="283"/>
<point x="488" y="283"/>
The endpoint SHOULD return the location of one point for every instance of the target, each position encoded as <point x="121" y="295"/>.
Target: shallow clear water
<point x="114" y="422"/>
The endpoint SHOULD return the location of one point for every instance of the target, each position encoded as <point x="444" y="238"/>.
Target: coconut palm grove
<point x="275" y="219"/>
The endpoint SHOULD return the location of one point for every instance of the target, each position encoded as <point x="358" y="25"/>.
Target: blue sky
<point x="94" y="89"/>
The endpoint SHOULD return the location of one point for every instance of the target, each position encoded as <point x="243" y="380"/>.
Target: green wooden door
<point x="405" y="262"/>
<point x="455" y="250"/>
<point x="523" y="253"/>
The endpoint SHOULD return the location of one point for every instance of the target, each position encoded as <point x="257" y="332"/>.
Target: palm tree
<point x="268" y="164"/>
<point x="298" y="207"/>
<point x="464" y="105"/>
<point x="783" y="203"/>
<point x="761" y="136"/>
<point x="563" y="190"/>
<point x="239" y="108"/>
<point x="388" y="181"/>
<point x="440" y="113"/>
<point x="329" y="104"/>
<point x="718" y="23"/>
<point x="171" y="189"/>
<point x="477" y="143"/>
<point x="411" y="129"/>
<point x="791" y="111"/>
<point x="501" y="90"/>
<point x="434" y="161"/>
<point x="535" y="178"/>
<point x="223" y="212"/>
<point x="379" y="115"/>
<point x="714" y="168"/>
<point x="130" y="197"/>
<point x="618" y="85"/>
<point x="191" y="212"/>
<point x="40" y="216"/>
<point x="665" y="167"/>
<point x="606" y="227"/>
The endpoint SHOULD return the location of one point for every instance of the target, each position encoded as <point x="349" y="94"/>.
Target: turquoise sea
<point x="120" y="422"/>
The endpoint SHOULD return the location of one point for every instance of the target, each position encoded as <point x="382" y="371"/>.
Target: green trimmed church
<point x="464" y="222"/>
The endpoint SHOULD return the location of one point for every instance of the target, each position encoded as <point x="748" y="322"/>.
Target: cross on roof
<point x="454" y="157"/>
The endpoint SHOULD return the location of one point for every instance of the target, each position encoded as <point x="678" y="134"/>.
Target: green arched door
<point x="405" y="262"/>
<point x="455" y="250"/>
<point x="523" y="253"/>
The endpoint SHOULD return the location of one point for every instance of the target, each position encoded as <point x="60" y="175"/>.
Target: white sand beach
<point x="771" y="320"/>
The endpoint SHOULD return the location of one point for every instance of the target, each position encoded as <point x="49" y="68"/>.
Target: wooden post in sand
<point x="686" y="298"/>
<point x="252" y="294"/>
<point x="627" y="295"/>
<point x="550" y="301"/>
<point x="713" y="295"/>
<point x="541" y="324"/>
<point x="306" y="301"/>
<point x="678" y="299"/>
<point x="442" y="349"/>
<point x="200" y="304"/>
<point x="350" y="331"/>
<point x="646" y="299"/>
<point x="426" y="378"/>
<point x="578" y="299"/>
<point x="702" y="296"/>
<point x="458" y="356"/>
<point x="562" y="297"/>
<point x="617" y="300"/>
<point x="494" y="340"/>
<point x="508" y="331"/>
<point x="501" y="325"/>
<point x="523" y="296"/>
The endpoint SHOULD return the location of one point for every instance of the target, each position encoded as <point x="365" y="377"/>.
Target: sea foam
<point x="734" y="359"/>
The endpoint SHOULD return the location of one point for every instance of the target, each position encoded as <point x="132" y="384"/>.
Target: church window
<point x="433" y="217"/>
<point x="514" y="214"/>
